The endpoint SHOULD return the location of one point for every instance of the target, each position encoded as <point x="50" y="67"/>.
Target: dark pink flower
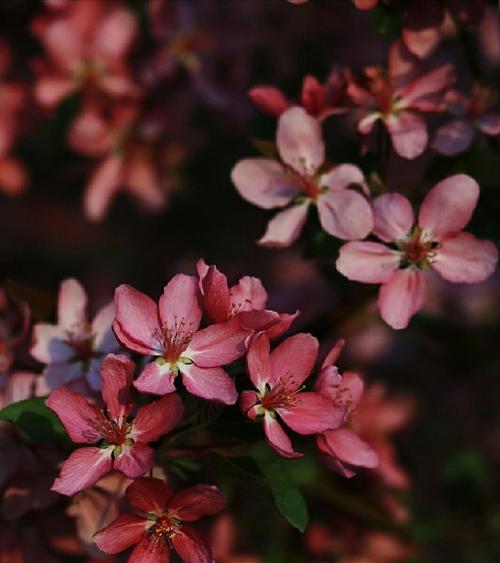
<point x="398" y="96"/>
<point x="296" y="183"/>
<point x="74" y="348"/>
<point x="278" y="377"/>
<point x="170" y="331"/>
<point x="160" y="523"/>
<point x="435" y="241"/>
<point x="246" y="300"/>
<point x="118" y="442"/>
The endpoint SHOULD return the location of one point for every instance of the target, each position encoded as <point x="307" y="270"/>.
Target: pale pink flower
<point x="161" y="521"/>
<point x="246" y="300"/>
<point x="74" y="348"/>
<point x="398" y="96"/>
<point x="472" y="114"/>
<point x="170" y="331"/>
<point x="278" y="377"/>
<point x="117" y="442"/>
<point x="436" y="241"/>
<point x="296" y="183"/>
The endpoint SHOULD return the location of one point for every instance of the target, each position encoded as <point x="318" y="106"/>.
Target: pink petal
<point x="49" y="344"/>
<point x="212" y="384"/>
<point x="313" y="95"/>
<point x="194" y="502"/>
<point x="453" y="138"/>
<point x="408" y="133"/>
<point x="104" y="183"/>
<point x="423" y="42"/>
<point x="269" y="99"/>
<point x="216" y="295"/>
<point x="135" y="461"/>
<point x="367" y="262"/>
<point x="78" y="416"/>
<point x="149" y="495"/>
<point x="285" y="228"/>
<point x="429" y="83"/>
<point x="91" y="133"/>
<point x="104" y="338"/>
<point x="293" y="360"/>
<point x="365" y="125"/>
<point x="248" y="294"/>
<point x="489" y="123"/>
<point x="150" y="551"/>
<point x="403" y="65"/>
<point x="277" y="439"/>
<point x="401" y="297"/>
<point x="312" y="413"/>
<point x="264" y="182"/>
<point x="284" y="323"/>
<point x="144" y="183"/>
<point x="249" y="400"/>
<point x="72" y="305"/>
<point x="158" y="418"/>
<point x="64" y="46"/>
<point x="334" y="354"/>
<point x="191" y="547"/>
<point x="300" y="141"/>
<point x="328" y="382"/>
<point x="423" y="28"/>
<point x="341" y="177"/>
<point x="393" y="217"/>
<point x="258" y="362"/>
<point x="13" y="177"/>
<point x="50" y="90"/>
<point x="156" y="378"/>
<point x="365" y="4"/>
<point x="83" y="468"/>
<point x="179" y="306"/>
<point x="345" y="445"/>
<point x="117" y="374"/>
<point x="345" y="214"/>
<point x="465" y="259"/>
<point x="138" y="319"/>
<point x="115" y="34"/>
<point x="126" y="530"/>
<point x="257" y="320"/>
<point x="218" y="344"/>
<point x="448" y="207"/>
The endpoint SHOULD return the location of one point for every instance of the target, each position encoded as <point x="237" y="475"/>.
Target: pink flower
<point x="398" y="96"/>
<point x="246" y="300"/>
<point x="75" y="347"/>
<point x="117" y="442"/>
<point x="170" y="331"/>
<point x="278" y="377"/>
<point x="435" y="242"/>
<point x="160" y="523"/>
<point x="296" y="180"/>
<point x="223" y="540"/>
<point x="472" y="114"/>
<point x="343" y="450"/>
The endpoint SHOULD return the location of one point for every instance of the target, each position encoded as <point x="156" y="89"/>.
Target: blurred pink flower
<point x="16" y="387"/>
<point x="170" y="331"/>
<point x="223" y="540"/>
<point x="437" y="241"/>
<point x="117" y="442"/>
<point x="278" y="377"/>
<point x="159" y="522"/>
<point x="74" y="348"/>
<point x="398" y="96"/>
<point x="343" y="212"/>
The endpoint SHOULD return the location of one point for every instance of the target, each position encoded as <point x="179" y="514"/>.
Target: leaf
<point x="287" y="495"/>
<point x="35" y="421"/>
<point x="265" y="147"/>
<point x="238" y="469"/>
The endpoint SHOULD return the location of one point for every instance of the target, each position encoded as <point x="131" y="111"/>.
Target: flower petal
<point x="284" y="323"/>
<point x="429" y="83"/>
<point x="135" y="461"/>
<point x="249" y="400"/>
<point x="465" y="259"/>
<point x="341" y="177"/>
<point x="293" y="360"/>
<point x="408" y="134"/>
<point x="312" y="413"/>
<point x="346" y="446"/>
<point x="215" y="291"/>
<point x="248" y="295"/>
<point x="453" y="138"/>
<point x="156" y="378"/>
<point x="212" y="384"/>
<point x="393" y="217"/>
<point x="489" y="123"/>
<point x="269" y="99"/>
<point x="157" y="418"/>
<point x="179" y="306"/>
<point x="191" y="547"/>
<point x="117" y="374"/>
<point x="104" y="183"/>
<point x="114" y="35"/>
<point x="258" y="360"/>
<point x="192" y="503"/>
<point x="104" y="338"/>
<point x="150" y="551"/>
<point x="367" y="262"/>
<point x="83" y="468"/>
<point x="345" y="214"/>
<point x="401" y="297"/>
<point x="49" y="344"/>
<point x="277" y="439"/>
<point x="71" y="305"/>
<point x="285" y="228"/>
<point x="448" y="207"/>
<point x="300" y="141"/>
<point x="149" y="495"/>
<point x="265" y="182"/>
<point x="126" y="530"/>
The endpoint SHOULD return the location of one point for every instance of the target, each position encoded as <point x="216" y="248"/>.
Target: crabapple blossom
<point x="297" y="180"/>
<point x="162" y="521"/>
<point x="436" y="241"/>
<point x="74" y="348"/>
<point x="170" y="331"/>
<point x="278" y="378"/>
<point x="397" y="96"/>
<point x="117" y="442"/>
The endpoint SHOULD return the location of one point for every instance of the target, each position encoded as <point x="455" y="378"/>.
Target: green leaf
<point x="286" y="494"/>
<point x="35" y="421"/>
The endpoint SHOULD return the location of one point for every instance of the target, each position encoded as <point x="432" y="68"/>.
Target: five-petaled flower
<point x="170" y="332"/>
<point x="436" y="242"/>
<point x="118" y="442"/>
<point x="297" y="180"/>
<point x="278" y="377"/>
<point x="159" y="522"/>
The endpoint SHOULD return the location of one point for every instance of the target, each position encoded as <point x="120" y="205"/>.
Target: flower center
<point x="381" y="87"/>
<point x="278" y="396"/>
<point x="176" y="339"/>
<point x="113" y="434"/>
<point x="416" y="250"/>
<point x="82" y="342"/>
